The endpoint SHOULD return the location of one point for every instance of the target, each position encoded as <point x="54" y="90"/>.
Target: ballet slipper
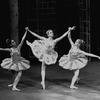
<point x="73" y="87"/>
<point x="10" y="85"/>
<point x="43" y="85"/>
<point x="15" y="89"/>
<point x="77" y="80"/>
<point x="28" y="43"/>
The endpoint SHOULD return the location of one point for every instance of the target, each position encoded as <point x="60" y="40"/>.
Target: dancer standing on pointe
<point x="75" y="59"/>
<point x="43" y="49"/>
<point x="16" y="62"/>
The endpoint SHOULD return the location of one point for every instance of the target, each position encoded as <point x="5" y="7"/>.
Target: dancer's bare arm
<point x="60" y="38"/>
<point x="89" y="54"/>
<point x="22" y="41"/>
<point x="36" y="35"/>
<point x="5" y="49"/>
<point x="70" y="39"/>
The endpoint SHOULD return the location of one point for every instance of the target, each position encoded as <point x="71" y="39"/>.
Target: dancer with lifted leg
<point x="43" y="49"/>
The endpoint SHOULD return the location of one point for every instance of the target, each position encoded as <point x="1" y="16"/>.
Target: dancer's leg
<point x="14" y="73"/>
<point x="16" y="81"/>
<point x="74" y="79"/>
<point x="78" y="80"/>
<point x="43" y="67"/>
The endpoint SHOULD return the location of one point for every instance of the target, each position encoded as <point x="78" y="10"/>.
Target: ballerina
<point x="16" y="62"/>
<point x="43" y="49"/>
<point x="75" y="59"/>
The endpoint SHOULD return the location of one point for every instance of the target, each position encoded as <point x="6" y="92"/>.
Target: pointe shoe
<point x="15" y="89"/>
<point x="43" y="85"/>
<point x="73" y="87"/>
<point x="77" y="80"/>
<point x="10" y="85"/>
<point x="28" y="43"/>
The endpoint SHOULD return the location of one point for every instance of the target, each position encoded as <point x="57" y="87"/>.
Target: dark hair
<point x="8" y="41"/>
<point x="80" y="41"/>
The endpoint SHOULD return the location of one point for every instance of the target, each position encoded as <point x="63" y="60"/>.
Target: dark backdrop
<point x="4" y="26"/>
<point x="67" y="15"/>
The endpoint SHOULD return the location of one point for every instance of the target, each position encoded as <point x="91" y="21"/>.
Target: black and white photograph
<point x="49" y="50"/>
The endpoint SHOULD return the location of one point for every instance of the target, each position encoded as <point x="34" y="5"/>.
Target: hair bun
<point x="8" y="41"/>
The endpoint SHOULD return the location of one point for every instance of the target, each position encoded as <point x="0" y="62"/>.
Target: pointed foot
<point x="43" y="85"/>
<point x="15" y="89"/>
<point x="73" y="87"/>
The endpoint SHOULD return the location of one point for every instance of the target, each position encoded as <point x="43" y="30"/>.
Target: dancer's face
<point x="13" y="43"/>
<point x="77" y="43"/>
<point x="50" y="33"/>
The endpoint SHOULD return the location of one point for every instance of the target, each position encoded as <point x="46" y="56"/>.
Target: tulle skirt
<point x="48" y="56"/>
<point x="22" y="64"/>
<point x="73" y="62"/>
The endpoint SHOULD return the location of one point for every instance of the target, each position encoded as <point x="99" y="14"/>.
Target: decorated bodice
<point x="15" y="54"/>
<point x="74" y="50"/>
<point x="74" y="53"/>
<point x="49" y="44"/>
<point x="15" y="51"/>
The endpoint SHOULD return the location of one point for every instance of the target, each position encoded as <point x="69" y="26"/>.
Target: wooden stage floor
<point x="57" y="84"/>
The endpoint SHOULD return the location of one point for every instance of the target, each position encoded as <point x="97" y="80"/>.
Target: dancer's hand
<point x="98" y="57"/>
<point x="26" y="28"/>
<point x="26" y="41"/>
<point x="72" y="28"/>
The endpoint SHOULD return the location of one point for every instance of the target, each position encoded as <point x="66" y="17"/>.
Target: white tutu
<point x="39" y="50"/>
<point x="19" y="65"/>
<point x="73" y="62"/>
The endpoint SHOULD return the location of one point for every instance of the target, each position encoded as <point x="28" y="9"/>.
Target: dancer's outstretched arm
<point x="36" y="35"/>
<point x="22" y="41"/>
<point x="70" y="39"/>
<point x="89" y="54"/>
<point x="5" y="49"/>
<point x="60" y="38"/>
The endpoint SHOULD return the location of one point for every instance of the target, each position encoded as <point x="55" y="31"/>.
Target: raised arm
<point x="89" y="54"/>
<point x="36" y="35"/>
<point x="70" y="39"/>
<point x="5" y="49"/>
<point x="60" y="38"/>
<point x="22" y="41"/>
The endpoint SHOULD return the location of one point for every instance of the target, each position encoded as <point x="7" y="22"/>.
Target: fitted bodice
<point x="15" y="55"/>
<point x="15" y="52"/>
<point x="49" y="44"/>
<point x="74" y="51"/>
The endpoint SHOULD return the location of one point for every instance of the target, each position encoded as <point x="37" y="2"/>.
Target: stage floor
<point x="57" y="84"/>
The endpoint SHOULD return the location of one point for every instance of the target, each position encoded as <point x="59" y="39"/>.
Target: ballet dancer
<point x="43" y="49"/>
<point x="16" y="62"/>
<point x="75" y="59"/>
